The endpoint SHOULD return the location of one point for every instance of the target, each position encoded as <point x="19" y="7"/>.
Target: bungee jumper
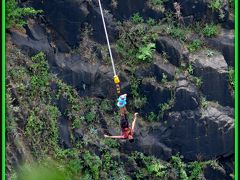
<point x="127" y="132"/>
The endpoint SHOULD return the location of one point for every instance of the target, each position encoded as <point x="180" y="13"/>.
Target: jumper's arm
<point x="134" y="122"/>
<point x="114" y="137"/>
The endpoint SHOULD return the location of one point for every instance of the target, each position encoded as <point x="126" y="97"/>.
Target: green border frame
<point x="4" y="93"/>
<point x="236" y="90"/>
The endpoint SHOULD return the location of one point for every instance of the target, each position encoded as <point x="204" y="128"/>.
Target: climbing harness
<point x="115" y="77"/>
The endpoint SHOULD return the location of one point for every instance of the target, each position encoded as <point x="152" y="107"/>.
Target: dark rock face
<point x="150" y="141"/>
<point x="68" y="18"/>
<point x="214" y="73"/>
<point x="155" y="95"/>
<point x="173" y="49"/>
<point x="65" y="16"/>
<point x="200" y="10"/>
<point x="125" y="9"/>
<point x="157" y="69"/>
<point x="34" y="42"/>
<point x="196" y="8"/>
<point x="224" y="43"/>
<point x="186" y="97"/>
<point x="209" y="133"/>
<point x="78" y="134"/>
<point x="64" y="133"/>
<point x="87" y="78"/>
<point x="210" y="173"/>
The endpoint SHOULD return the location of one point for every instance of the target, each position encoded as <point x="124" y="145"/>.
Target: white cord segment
<point x="105" y="29"/>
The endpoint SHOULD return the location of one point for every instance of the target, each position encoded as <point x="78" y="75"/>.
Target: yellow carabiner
<point x="116" y="79"/>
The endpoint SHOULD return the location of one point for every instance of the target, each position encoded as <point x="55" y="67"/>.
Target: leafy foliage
<point x="176" y="31"/>
<point x="136" y="18"/>
<point x="94" y="163"/>
<point x="203" y="102"/>
<point x="157" y="5"/>
<point x="40" y="75"/>
<point x="210" y="30"/>
<point x="164" y="78"/>
<point x="164" y="107"/>
<point x="194" y="45"/>
<point x="215" y="5"/>
<point x="15" y="15"/>
<point x="151" y="22"/>
<point x="158" y="2"/>
<point x="197" y="81"/>
<point x="145" y="52"/>
<point x="106" y="105"/>
<point x="180" y="166"/>
<point x="190" y="69"/>
<point x="136" y="42"/>
<point x="231" y="76"/>
<point x="152" y="117"/>
<point x="138" y="101"/>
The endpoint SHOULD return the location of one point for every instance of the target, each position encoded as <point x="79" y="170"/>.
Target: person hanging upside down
<point x="127" y="132"/>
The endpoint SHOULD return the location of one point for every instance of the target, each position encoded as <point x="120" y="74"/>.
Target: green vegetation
<point x="138" y="101"/>
<point x="215" y="5"/>
<point x="152" y="117"/>
<point x="151" y="22"/>
<point x="210" y="53"/>
<point x="39" y="74"/>
<point x="113" y="143"/>
<point x="145" y="52"/>
<point x="177" y="32"/>
<point x="134" y="84"/>
<point x="158" y="2"/>
<point x="153" y="168"/>
<point x="136" y="42"/>
<point x="203" y="102"/>
<point x="93" y="163"/>
<point x="77" y="122"/>
<point x="150" y="166"/>
<point x="15" y="15"/>
<point x="90" y="117"/>
<point x="180" y="166"/>
<point x="197" y="81"/>
<point x="231" y="5"/>
<point x="157" y="5"/>
<point x="136" y="18"/>
<point x="210" y="30"/>
<point x="190" y="69"/>
<point x="106" y="105"/>
<point x="231" y="77"/>
<point x="194" y="45"/>
<point x="164" y="78"/>
<point x="164" y="107"/>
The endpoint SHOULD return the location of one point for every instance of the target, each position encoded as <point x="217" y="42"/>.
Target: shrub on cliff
<point x="15" y="15"/>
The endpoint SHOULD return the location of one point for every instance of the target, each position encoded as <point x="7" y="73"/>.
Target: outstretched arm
<point x="134" y="122"/>
<point x="114" y="137"/>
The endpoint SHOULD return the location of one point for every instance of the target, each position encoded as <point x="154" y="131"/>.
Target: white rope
<point x="105" y="29"/>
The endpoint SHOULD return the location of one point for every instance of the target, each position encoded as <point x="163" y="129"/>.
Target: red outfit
<point x="126" y="132"/>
